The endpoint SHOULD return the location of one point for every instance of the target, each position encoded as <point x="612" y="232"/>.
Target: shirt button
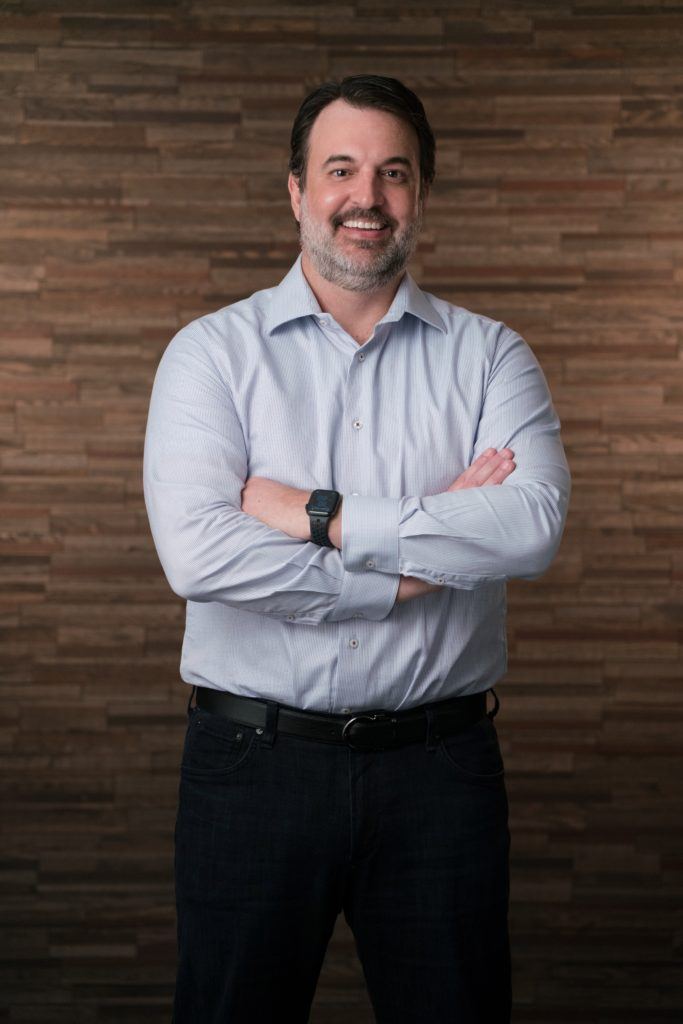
<point x="291" y="618"/>
<point x="346" y="711"/>
<point x="357" y="424"/>
<point x="356" y="615"/>
<point x="441" y="580"/>
<point x="370" y="564"/>
<point x="361" y="356"/>
<point x="353" y="643"/>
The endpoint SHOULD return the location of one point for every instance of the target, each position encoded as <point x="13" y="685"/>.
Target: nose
<point x="367" y="190"/>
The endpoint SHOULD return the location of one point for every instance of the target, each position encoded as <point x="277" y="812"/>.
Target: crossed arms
<point x="282" y="507"/>
<point x="219" y="539"/>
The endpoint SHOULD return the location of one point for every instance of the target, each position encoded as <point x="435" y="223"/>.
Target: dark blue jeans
<point x="276" y="835"/>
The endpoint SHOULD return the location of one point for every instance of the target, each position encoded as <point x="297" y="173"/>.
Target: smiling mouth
<point x="361" y="228"/>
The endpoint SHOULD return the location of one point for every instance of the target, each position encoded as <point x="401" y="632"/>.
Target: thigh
<point x="258" y="881"/>
<point x="428" y="897"/>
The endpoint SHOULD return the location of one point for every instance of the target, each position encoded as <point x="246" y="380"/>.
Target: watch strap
<point x="319" y="528"/>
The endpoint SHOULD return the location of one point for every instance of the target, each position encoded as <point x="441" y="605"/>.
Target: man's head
<point x="362" y="161"/>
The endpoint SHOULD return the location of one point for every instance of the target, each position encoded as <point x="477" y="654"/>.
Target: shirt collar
<point x="294" y="298"/>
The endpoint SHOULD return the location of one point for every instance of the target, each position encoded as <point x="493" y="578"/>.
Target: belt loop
<point x="189" y="703"/>
<point x="492" y="714"/>
<point x="432" y="731"/>
<point x="268" y="737"/>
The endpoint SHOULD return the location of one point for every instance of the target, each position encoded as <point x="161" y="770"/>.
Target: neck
<point x="356" y="312"/>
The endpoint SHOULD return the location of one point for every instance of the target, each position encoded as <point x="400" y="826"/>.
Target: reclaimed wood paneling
<point x="143" y="151"/>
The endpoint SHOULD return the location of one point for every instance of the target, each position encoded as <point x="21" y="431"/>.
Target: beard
<point x="357" y="274"/>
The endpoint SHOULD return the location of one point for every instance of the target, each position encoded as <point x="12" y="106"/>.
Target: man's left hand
<point x="284" y="508"/>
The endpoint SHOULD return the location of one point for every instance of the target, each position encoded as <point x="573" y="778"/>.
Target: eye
<point x="394" y="174"/>
<point x="339" y="171"/>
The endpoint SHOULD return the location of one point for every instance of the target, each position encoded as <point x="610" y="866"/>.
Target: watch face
<point x="322" y="502"/>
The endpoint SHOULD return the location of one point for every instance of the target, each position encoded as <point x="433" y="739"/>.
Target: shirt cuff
<point x="365" y="595"/>
<point x="370" y="534"/>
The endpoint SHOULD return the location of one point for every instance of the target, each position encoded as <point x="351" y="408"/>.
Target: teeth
<point x="368" y="225"/>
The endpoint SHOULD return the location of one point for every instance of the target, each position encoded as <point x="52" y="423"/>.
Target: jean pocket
<point x="214" y="745"/>
<point x="474" y="754"/>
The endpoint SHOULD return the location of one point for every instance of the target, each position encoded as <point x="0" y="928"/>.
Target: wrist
<point x="303" y="523"/>
<point x="323" y="513"/>
<point x="335" y="528"/>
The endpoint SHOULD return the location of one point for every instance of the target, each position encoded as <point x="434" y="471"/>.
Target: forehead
<point x="360" y="132"/>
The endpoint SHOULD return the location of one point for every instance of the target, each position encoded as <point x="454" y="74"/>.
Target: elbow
<point x="186" y="578"/>
<point x="188" y="549"/>
<point x="180" y="583"/>
<point x="539" y="558"/>
<point x="183" y="588"/>
<point x="543" y="543"/>
<point x="194" y="583"/>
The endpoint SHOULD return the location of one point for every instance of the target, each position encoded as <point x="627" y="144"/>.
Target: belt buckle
<point x="365" y="716"/>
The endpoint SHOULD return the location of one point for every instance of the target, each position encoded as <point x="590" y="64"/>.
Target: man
<point x="341" y="472"/>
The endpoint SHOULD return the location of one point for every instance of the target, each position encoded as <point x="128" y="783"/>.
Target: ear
<point x="294" y="194"/>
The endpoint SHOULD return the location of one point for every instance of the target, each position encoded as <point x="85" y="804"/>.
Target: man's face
<point x="359" y="212"/>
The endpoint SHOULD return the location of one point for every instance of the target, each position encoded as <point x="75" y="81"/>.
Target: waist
<point x="370" y="729"/>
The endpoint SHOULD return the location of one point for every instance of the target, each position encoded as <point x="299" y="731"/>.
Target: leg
<point x="258" y="872"/>
<point x="427" y="898"/>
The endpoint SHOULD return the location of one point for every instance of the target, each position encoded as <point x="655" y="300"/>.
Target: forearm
<point x="462" y="539"/>
<point x="220" y="554"/>
<point x="283" y="507"/>
<point x="465" y="538"/>
<point x="194" y="468"/>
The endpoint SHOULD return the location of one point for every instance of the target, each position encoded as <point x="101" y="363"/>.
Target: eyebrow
<point x="338" y="157"/>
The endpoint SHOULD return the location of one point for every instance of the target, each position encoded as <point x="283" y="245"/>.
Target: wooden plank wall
<point x="143" y="148"/>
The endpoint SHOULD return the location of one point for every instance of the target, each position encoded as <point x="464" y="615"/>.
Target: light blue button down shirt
<point x="272" y="386"/>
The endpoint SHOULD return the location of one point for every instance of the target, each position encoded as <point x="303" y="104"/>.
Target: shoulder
<point x="464" y="326"/>
<point x="240" y="321"/>
<point x="225" y="340"/>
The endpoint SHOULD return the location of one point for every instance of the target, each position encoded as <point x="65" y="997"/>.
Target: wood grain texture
<point x="143" y="153"/>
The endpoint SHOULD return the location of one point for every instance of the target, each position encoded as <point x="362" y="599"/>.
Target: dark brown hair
<point x="376" y="91"/>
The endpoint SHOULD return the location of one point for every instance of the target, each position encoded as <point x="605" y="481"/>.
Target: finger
<point x="490" y="466"/>
<point x="478" y="473"/>
<point x="464" y="480"/>
<point x="491" y="455"/>
<point x="482" y="459"/>
<point x="502" y="472"/>
<point x="478" y="464"/>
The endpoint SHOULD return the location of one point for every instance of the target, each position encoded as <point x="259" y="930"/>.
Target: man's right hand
<point x="491" y="468"/>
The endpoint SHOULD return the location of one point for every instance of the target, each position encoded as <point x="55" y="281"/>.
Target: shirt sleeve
<point x="467" y="538"/>
<point x="194" y="469"/>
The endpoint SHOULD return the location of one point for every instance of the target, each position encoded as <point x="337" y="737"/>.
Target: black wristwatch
<point x="321" y="506"/>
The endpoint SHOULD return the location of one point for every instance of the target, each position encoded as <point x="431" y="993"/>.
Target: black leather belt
<point x="362" y="730"/>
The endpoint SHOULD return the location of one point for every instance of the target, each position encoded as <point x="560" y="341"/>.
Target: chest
<point x="395" y="416"/>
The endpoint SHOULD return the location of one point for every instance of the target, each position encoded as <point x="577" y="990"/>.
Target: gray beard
<point x="344" y="271"/>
